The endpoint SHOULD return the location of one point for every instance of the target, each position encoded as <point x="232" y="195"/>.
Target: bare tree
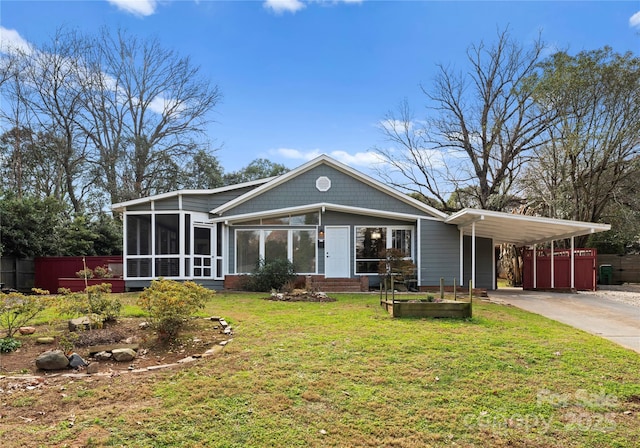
<point x="44" y="99"/>
<point x="483" y="127"/>
<point x="146" y="108"/>
<point x="593" y="147"/>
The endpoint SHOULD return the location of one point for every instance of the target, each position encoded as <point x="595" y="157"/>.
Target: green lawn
<point x="346" y="374"/>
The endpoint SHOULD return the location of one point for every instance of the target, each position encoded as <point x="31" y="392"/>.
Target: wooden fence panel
<point x="626" y="268"/>
<point x="17" y="273"/>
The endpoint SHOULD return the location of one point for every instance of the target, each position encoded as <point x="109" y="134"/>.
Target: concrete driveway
<point x="618" y="322"/>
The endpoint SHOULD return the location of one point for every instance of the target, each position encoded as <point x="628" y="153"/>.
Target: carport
<point x="523" y="231"/>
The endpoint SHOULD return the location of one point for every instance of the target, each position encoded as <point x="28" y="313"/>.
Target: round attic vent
<point x="323" y="183"/>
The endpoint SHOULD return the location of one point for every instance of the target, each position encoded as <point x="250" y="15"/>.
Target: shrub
<point x="271" y="275"/>
<point x="16" y="310"/>
<point x="171" y="303"/>
<point x="84" y="273"/>
<point x="102" y="272"/>
<point x="96" y="301"/>
<point x="8" y="345"/>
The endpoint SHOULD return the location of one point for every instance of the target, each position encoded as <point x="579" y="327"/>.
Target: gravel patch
<point x="627" y="293"/>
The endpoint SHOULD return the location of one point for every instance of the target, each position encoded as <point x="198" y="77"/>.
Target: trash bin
<point x="606" y="274"/>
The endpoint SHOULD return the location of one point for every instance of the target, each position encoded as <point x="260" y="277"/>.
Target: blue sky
<point x="301" y="78"/>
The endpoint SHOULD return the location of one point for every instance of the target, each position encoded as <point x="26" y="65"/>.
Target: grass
<point x="346" y="374"/>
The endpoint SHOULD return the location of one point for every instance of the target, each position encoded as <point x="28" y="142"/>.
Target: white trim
<point x="553" y="269"/>
<point x="521" y="229"/>
<point x="473" y="254"/>
<point x="389" y="229"/>
<point x="573" y="263"/>
<point x="535" y="267"/>
<point x="324" y="159"/>
<point x="261" y="248"/>
<point x="418" y="258"/>
<point x="181" y="246"/>
<point x="494" y="278"/>
<point x="461" y="257"/>
<point x="320" y="206"/>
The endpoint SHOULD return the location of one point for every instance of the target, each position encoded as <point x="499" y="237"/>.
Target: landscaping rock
<point x="27" y="330"/>
<point x="144" y="325"/>
<point x="52" y="360"/>
<point x="92" y="368"/>
<point x="111" y="347"/>
<point x="45" y="340"/>
<point x="223" y="323"/>
<point x="102" y="356"/>
<point x="76" y="361"/>
<point x="80" y="323"/>
<point x="123" y="354"/>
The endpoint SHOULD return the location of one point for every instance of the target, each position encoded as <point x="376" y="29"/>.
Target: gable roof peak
<point x="324" y="159"/>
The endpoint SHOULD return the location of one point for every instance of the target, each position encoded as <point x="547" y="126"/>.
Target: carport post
<point x="535" y="267"/>
<point x="461" y="257"/>
<point x="473" y="252"/>
<point x="573" y="264"/>
<point x="553" y="271"/>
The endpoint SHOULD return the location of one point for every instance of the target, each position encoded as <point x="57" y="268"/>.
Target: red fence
<point x="585" y="269"/>
<point x="50" y="270"/>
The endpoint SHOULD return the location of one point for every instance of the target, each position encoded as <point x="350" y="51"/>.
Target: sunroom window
<point x="172" y="245"/>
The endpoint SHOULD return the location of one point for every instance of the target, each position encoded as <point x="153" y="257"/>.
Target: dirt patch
<point x="201" y="336"/>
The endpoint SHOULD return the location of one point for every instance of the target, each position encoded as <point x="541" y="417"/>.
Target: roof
<point x="520" y="229"/>
<point x="120" y="206"/>
<point x="324" y="159"/>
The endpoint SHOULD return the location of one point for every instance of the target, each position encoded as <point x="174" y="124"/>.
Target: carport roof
<point x="520" y="229"/>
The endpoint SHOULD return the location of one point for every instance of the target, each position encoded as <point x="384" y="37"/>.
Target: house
<point x="330" y="220"/>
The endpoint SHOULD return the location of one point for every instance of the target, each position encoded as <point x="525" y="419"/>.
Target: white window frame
<point x="261" y="249"/>
<point x="153" y="256"/>
<point x="197" y="220"/>
<point x="389" y="232"/>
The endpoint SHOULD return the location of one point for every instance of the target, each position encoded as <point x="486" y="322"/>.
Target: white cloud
<point x="293" y="6"/>
<point x="136" y="7"/>
<point x="281" y="6"/>
<point x="363" y="159"/>
<point x="634" y="20"/>
<point x="396" y="126"/>
<point x="10" y="41"/>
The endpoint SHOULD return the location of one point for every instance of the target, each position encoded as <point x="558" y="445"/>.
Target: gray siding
<point x="345" y="190"/>
<point x="206" y="202"/>
<point x="140" y="207"/>
<point x="484" y="262"/>
<point x="166" y="204"/>
<point x="439" y="253"/>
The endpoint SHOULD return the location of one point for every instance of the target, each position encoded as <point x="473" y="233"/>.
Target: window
<point x="139" y="235"/>
<point x="248" y="250"/>
<point x="372" y="242"/>
<point x="202" y="252"/>
<point x="298" y="246"/>
<point x="167" y="230"/>
<point x="138" y="246"/>
<point x="304" y="250"/>
<point x="305" y="219"/>
<point x="175" y="245"/>
<point x="151" y="235"/>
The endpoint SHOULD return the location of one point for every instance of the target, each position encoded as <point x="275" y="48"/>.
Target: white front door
<point x="336" y="252"/>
